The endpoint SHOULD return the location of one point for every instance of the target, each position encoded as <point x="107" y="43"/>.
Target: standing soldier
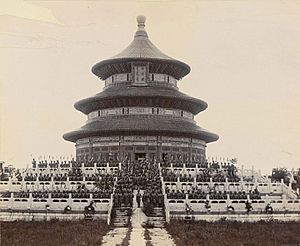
<point x="138" y="198"/>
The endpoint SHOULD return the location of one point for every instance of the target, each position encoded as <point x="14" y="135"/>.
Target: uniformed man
<point x="138" y="198"/>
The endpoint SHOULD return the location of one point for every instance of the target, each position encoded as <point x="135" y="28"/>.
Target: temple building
<point x="141" y="113"/>
<point x="141" y="148"/>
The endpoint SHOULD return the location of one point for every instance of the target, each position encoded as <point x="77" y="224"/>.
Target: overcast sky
<point x="244" y="55"/>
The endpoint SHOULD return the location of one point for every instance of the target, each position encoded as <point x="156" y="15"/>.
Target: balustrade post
<point x="248" y="197"/>
<point x="267" y="198"/>
<point x="49" y="200"/>
<point x="70" y="202"/>
<point x="68" y="183"/>
<point x="11" y="200"/>
<point x="243" y="185"/>
<point x="177" y="183"/>
<point x="167" y="209"/>
<point x="29" y="203"/>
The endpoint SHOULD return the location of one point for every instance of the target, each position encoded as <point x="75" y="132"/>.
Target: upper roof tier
<point x="140" y="49"/>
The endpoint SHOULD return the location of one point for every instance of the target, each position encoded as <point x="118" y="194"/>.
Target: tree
<point x="280" y="173"/>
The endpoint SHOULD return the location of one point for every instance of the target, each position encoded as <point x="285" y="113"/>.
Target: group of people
<point x="153" y="196"/>
<point x="123" y="193"/>
<point x="44" y="164"/>
<point x="143" y="176"/>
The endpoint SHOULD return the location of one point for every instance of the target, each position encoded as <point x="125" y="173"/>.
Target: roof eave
<point x="184" y="68"/>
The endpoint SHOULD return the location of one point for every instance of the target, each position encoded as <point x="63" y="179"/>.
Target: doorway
<point x="140" y="156"/>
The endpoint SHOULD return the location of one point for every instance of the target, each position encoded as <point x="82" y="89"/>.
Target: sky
<point x="244" y="58"/>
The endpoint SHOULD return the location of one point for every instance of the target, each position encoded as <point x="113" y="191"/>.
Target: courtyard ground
<point x="81" y="233"/>
<point x="271" y="233"/>
<point x="52" y="233"/>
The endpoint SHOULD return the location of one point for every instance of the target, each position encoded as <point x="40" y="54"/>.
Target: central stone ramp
<point x="138" y="219"/>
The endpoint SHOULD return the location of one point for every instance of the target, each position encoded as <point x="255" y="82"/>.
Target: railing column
<point x="110" y="206"/>
<point x="11" y="200"/>
<point x="177" y="183"/>
<point x="226" y="184"/>
<point x="167" y="209"/>
<point x="68" y="183"/>
<point x="30" y="201"/>
<point x="187" y="198"/>
<point x="70" y="201"/>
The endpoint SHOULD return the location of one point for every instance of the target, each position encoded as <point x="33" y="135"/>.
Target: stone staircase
<point x="157" y="218"/>
<point x="122" y="217"/>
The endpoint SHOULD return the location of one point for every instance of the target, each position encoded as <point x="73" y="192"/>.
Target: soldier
<point x="248" y="206"/>
<point x="138" y="198"/>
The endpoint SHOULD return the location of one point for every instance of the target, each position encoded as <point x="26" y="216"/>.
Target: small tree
<point x="297" y="179"/>
<point x="280" y="173"/>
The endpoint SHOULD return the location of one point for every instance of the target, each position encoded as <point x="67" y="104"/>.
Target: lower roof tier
<point x="141" y="96"/>
<point x="132" y="125"/>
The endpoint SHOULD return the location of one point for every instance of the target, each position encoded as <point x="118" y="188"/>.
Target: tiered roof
<point x="141" y="49"/>
<point x="149" y="95"/>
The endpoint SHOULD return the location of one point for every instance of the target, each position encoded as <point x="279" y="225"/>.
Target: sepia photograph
<point x="149" y="122"/>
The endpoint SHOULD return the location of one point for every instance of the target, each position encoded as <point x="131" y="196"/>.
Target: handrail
<point x="111" y="203"/>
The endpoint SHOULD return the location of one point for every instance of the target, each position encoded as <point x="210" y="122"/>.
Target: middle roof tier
<point x="146" y="96"/>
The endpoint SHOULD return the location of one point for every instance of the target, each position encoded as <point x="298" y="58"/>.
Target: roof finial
<point x="141" y="19"/>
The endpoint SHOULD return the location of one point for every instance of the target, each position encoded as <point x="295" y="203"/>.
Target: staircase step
<point x="156" y="223"/>
<point x="156" y="219"/>
<point x="121" y="224"/>
<point x="120" y="219"/>
<point x="118" y="213"/>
